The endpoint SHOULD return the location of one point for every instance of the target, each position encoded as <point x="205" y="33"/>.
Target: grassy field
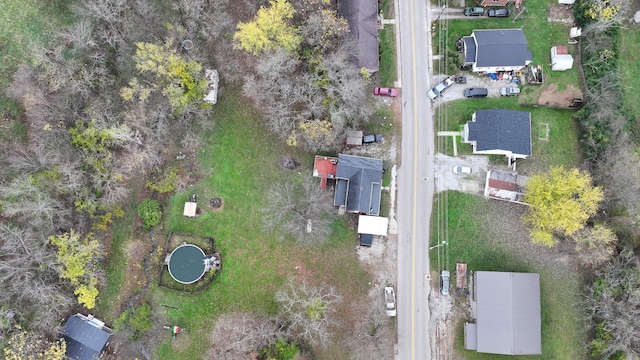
<point x="561" y="148"/>
<point x="240" y="163"/>
<point x="473" y="238"/>
<point x="629" y="71"/>
<point x="387" y="36"/>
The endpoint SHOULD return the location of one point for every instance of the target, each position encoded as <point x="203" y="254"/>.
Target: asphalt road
<point x="415" y="181"/>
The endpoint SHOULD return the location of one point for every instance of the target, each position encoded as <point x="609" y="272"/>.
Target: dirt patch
<point x="289" y="162"/>
<point x="560" y="13"/>
<point x="216" y="204"/>
<point x="553" y="97"/>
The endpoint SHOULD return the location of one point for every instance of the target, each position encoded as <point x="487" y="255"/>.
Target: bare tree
<point x="310" y="310"/>
<point x="372" y="335"/>
<point x="613" y="307"/>
<point x="301" y="209"/>
<point x="238" y="335"/>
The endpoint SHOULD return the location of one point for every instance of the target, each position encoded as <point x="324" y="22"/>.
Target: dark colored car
<point x="383" y="91"/>
<point x="473" y="11"/>
<point x="498" y="12"/>
<point x="476" y="92"/>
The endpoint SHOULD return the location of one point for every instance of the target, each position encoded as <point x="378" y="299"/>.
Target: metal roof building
<point x="508" y="319"/>
<point x="85" y="337"/>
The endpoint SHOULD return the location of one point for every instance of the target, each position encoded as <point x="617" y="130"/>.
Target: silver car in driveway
<point x="440" y="88"/>
<point x="445" y="280"/>
<point x="390" y="300"/>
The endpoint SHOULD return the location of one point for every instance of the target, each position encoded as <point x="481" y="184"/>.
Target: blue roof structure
<point x="359" y="184"/>
<point x="85" y="337"/>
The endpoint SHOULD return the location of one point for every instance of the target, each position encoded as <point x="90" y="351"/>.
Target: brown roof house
<point x="499" y="132"/>
<point x="496" y="50"/>
<point x="507" y="319"/>
<point x="362" y="16"/>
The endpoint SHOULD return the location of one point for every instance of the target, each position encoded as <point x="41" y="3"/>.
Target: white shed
<point x="568" y="2"/>
<point x="560" y="58"/>
<point x="374" y="225"/>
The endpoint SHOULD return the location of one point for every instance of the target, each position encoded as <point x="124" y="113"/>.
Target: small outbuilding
<point x="561" y="59"/>
<point x="85" y="336"/>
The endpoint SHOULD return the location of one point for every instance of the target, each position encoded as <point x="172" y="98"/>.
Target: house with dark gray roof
<point x="85" y="337"/>
<point x="358" y="184"/>
<point x="362" y="16"/>
<point x="499" y="132"/>
<point x="496" y="50"/>
<point x="507" y="314"/>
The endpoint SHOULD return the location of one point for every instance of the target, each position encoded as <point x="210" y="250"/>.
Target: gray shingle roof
<point x="501" y="129"/>
<point x="508" y="313"/>
<point x="84" y="340"/>
<point x="502" y="47"/>
<point x="359" y="184"/>
<point x="362" y="16"/>
<point x="469" y="49"/>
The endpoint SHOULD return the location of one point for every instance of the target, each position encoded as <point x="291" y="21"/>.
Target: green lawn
<point x="239" y="158"/>
<point x="561" y="148"/>
<point x="629" y="70"/>
<point x="387" y="36"/>
<point x="472" y="240"/>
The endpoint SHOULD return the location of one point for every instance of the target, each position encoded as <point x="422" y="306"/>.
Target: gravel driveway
<point x="456" y="91"/>
<point x="471" y="183"/>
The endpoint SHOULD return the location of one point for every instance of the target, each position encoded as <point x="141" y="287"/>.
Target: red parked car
<point x="383" y="91"/>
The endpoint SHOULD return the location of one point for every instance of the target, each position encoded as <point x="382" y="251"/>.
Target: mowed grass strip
<point x="629" y="71"/>
<point x="240" y="157"/>
<point x="470" y="240"/>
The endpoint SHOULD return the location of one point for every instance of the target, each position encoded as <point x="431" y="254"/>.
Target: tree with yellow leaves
<point x="269" y="29"/>
<point x="77" y="258"/>
<point x="181" y="81"/>
<point x="560" y="202"/>
<point x="27" y="346"/>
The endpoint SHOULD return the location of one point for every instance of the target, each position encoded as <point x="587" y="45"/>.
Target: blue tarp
<point x="493" y="76"/>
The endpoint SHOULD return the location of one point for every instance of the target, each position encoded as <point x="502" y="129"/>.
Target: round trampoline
<point x="186" y="264"/>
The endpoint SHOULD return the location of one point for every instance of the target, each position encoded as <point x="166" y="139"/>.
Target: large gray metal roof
<point x="358" y="185"/>
<point x="508" y="313"/>
<point x="501" y="129"/>
<point x="501" y="47"/>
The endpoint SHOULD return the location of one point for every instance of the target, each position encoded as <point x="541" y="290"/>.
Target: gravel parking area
<point x="455" y="92"/>
<point x="445" y="179"/>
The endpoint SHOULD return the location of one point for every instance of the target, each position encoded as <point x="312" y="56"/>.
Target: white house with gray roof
<point x="507" y="314"/>
<point x="499" y="132"/>
<point x="496" y="50"/>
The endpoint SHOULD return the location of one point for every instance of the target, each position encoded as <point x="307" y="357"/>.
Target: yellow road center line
<point x="415" y="182"/>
